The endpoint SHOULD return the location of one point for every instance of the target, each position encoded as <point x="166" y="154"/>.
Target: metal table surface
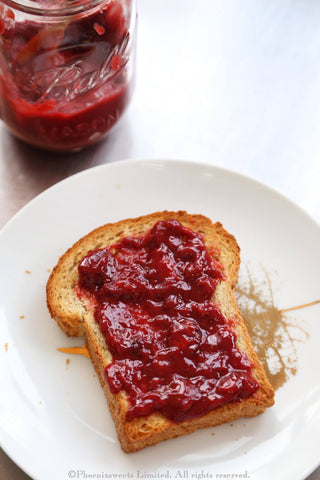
<point x="234" y="84"/>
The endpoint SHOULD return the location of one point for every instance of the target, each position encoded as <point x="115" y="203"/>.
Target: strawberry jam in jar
<point x="66" y="69"/>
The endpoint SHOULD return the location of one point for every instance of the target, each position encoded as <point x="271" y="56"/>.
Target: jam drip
<point x="172" y="349"/>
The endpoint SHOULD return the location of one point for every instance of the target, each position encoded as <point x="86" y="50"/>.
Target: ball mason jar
<point x="66" y="69"/>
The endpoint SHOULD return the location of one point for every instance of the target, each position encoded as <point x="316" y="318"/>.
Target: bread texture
<point x="75" y="316"/>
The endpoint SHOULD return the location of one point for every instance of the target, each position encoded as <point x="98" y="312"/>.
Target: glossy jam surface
<point x="65" y="83"/>
<point x="172" y="349"/>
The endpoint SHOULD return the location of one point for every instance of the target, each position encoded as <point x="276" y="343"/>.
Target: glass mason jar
<point x="66" y="69"/>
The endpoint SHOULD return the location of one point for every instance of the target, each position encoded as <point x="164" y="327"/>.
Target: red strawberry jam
<point x="65" y="82"/>
<point x="173" y="351"/>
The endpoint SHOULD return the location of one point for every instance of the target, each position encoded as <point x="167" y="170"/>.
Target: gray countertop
<point x="234" y="84"/>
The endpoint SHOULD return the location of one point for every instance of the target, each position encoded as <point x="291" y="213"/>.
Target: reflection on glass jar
<point x="66" y="69"/>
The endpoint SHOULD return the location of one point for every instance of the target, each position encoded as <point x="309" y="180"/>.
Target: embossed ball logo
<point x="69" y="81"/>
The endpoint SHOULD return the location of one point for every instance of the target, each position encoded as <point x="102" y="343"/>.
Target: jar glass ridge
<point x="66" y="69"/>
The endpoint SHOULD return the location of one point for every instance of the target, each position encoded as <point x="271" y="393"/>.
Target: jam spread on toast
<point x="173" y="350"/>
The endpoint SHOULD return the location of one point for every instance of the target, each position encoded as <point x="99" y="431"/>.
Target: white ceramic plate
<point x="55" y="422"/>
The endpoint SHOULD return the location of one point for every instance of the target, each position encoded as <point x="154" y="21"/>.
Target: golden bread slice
<point x="74" y="314"/>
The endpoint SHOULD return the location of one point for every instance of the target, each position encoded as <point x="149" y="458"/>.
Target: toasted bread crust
<point x="74" y="316"/>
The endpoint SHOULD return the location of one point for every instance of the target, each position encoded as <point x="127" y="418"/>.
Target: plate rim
<point x="167" y="161"/>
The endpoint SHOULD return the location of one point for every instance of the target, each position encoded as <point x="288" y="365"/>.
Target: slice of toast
<point x="74" y="314"/>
